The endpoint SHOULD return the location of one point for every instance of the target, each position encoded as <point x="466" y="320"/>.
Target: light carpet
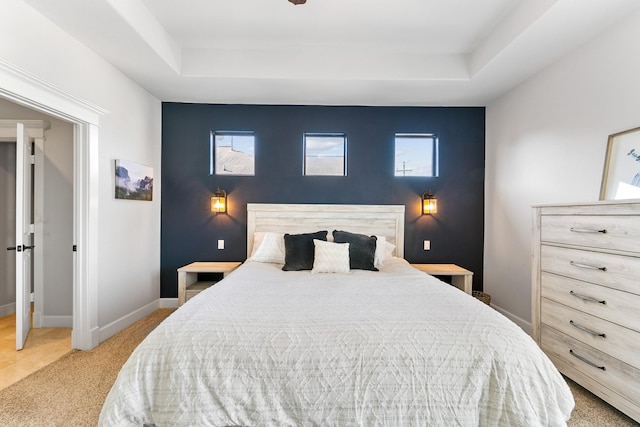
<point x="71" y="390"/>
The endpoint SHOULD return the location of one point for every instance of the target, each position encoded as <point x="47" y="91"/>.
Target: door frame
<point x="23" y="88"/>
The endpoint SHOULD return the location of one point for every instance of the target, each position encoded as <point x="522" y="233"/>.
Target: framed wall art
<point x="133" y="181"/>
<point x="621" y="176"/>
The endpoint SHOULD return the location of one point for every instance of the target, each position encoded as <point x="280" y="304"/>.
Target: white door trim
<point x="29" y="90"/>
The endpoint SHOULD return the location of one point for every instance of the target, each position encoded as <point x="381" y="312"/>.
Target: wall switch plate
<point x="427" y="245"/>
<point x="220" y="244"/>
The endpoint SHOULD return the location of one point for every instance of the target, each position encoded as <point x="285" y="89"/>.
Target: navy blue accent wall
<point x="190" y="232"/>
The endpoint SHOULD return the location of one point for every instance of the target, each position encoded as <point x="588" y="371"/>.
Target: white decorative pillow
<point x="384" y="251"/>
<point x="330" y="257"/>
<point x="257" y="240"/>
<point x="270" y="248"/>
<point x="388" y="250"/>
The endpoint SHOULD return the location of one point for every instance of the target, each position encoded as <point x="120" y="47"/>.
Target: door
<point x="23" y="236"/>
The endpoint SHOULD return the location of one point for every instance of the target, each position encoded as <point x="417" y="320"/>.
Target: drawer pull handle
<point x="588" y="362"/>
<point x="589" y="266"/>
<point x="587" y="230"/>
<point x="588" y="298"/>
<point x="587" y="330"/>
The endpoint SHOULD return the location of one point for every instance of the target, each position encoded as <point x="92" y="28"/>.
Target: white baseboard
<point x="36" y="320"/>
<point x="92" y="340"/>
<point x="56" y="321"/>
<point x="116" y="326"/>
<point x="40" y="320"/>
<point x="43" y="321"/>
<point x="10" y="308"/>
<point x="168" y="303"/>
<point x="524" y="325"/>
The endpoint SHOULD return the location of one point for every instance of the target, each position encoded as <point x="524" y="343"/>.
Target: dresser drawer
<point x="609" y="304"/>
<point x="608" y="337"/>
<point x="616" y="375"/>
<point x="605" y="232"/>
<point x="614" y="271"/>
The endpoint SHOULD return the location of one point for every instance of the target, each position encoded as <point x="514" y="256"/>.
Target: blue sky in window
<point x="242" y="143"/>
<point x="324" y="146"/>
<point x="414" y="156"/>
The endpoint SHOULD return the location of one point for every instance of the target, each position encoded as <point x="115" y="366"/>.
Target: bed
<point x="330" y="346"/>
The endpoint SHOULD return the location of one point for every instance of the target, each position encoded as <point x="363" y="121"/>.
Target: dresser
<point x="586" y="296"/>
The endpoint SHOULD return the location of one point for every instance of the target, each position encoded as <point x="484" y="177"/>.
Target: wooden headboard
<point x="381" y="220"/>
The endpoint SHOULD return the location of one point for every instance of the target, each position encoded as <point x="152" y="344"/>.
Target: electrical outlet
<point x="220" y="244"/>
<point x="427" y="245"/>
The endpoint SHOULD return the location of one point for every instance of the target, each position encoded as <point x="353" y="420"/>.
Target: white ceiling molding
<point x="140" y="19"/>
<point x="29" y="90"/>
<point x="387" y="52"/>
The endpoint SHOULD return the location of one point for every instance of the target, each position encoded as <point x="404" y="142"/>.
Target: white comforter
<point x="390" y="348"/>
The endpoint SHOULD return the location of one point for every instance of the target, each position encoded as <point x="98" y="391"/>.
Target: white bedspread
<point x="390" y="348"/>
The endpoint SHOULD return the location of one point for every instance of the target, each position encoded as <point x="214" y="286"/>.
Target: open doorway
<point x="27" y="90"/>
<point x="52" y="216"/>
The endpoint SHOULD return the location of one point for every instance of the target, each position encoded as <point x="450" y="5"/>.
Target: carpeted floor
<point x="70" y="391"/>
<point x="591" y="411"/>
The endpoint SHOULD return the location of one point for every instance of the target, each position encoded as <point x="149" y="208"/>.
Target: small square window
<point x="232" y="153"/>
<point x="325" y="154"/>
<point x="416" y="155"/>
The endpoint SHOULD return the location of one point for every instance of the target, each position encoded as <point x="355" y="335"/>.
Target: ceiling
<point x="332" y="52"/>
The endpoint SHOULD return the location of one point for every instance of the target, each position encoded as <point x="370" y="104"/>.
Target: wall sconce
<point x="429" y="203"/>
<point x="219" y="202"/>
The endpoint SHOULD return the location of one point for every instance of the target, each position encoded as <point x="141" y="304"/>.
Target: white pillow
<point x="257" y="240"/>
<point x="330" y="257"/>
<point x="384" y="251"/>
<point x="268" y="247"/>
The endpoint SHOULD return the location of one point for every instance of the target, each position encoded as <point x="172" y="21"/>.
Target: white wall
<point x="545" y="143"/>
<point x="129" y="232"/>
<point x="57" y="225"/>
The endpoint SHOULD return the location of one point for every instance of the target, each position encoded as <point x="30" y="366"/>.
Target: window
<point x="324" y="154"/>
<point x="232" y="153"/>
<point x="416" y="154"/>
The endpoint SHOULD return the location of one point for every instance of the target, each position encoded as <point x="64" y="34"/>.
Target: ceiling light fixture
<point x="298" y="1"/>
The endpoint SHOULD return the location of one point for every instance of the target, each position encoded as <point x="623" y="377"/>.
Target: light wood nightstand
<point x="461" y="278"/>
<point x="188" y="284"/>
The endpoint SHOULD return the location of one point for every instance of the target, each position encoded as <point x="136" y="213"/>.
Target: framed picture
<point x="621" y="177"/>
<point x="133" y="181"/>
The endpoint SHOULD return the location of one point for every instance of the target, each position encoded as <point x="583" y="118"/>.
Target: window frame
<point x="435" y="154"/>
<point x="342" y="135"/>
<point x="212" y="151"/>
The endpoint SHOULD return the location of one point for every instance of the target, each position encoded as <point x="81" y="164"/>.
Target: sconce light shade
<point x="219" y="202"/>
<point x="429" y="203"/>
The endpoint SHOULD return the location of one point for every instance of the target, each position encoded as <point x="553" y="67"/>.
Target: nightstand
<point x="461" y="278"/>
<point x="188" y="284"/>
